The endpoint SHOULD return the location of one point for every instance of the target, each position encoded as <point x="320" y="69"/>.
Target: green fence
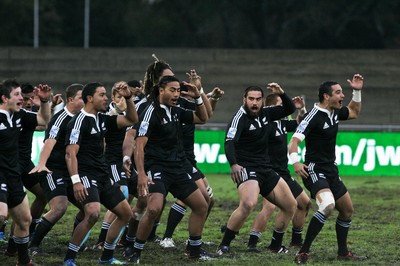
<point x="357" y="153"/>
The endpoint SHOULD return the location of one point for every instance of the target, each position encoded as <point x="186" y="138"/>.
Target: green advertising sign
<point x="357" y="153"/>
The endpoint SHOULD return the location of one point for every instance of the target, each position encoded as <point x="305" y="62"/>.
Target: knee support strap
<point x="324" y="201"/>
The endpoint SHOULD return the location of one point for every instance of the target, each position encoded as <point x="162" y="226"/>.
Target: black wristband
<point x="44" y="101"/>
<point x="127" y="98"/>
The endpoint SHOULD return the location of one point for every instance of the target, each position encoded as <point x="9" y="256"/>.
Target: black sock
<point x="108" y="251"/>
<point x="276" y="241"/>
<point x="76" y="222"/>
<point x="229" y="235"/>
<point x="342" y="230"/>
<point x="71" y="252"/>
<point x="11" y="247"/>
<point x="41" y="231"/>
<point x="254" y="237"/>
<point x="175" y="216"/>
<point x="103" y="232"/>
<point x="32" y="227"/>
<point x="315" y="226"/>
<point x="123" y="236"/>
<point x="194" y="245"/>
<point x="139" y="246"/>
<point x="153" y="231"/>
<point x="22" y="248"/>
<point x="296" y="236"/>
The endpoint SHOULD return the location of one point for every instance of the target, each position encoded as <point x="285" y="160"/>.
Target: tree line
<point x="250" y="24"/>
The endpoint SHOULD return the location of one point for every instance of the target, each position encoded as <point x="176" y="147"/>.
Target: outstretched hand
<point x="123" y="90"/>
<point x="298" y="102"/>
<point x="192" y="92"/>
<point x="357" y="82"/>
<point x="194" y="78"/>
<point x="43" y="91"/>
<point x="275" y="88"/>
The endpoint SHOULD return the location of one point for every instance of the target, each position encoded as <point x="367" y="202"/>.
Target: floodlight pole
<point x="36" y="24"/>
<point x="86" y="25"/>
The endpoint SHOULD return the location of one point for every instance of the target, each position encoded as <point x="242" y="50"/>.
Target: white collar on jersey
<point x="316" y="105"/>
<point x="67" y="111"/>
<point x="8" y="115"/>
<point x="167" y="111"/>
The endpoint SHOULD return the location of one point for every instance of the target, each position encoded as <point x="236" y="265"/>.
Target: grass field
<point x="374" y="231"/>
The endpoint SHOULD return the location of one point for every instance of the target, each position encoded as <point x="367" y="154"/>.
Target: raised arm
<point x="355" y="104"/>
<point x="287" y="108"/>
<point x="131" y="116"/>
<point x="214" y="96"/>
<point x="44" y="113"/>
<point x="196" y="80"/>
<point x="200" y="114"/>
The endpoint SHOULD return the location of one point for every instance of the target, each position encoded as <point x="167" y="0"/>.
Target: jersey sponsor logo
<point x="94" y="131"/>
<point x="302" y="126"/>
<point x="54" y="130"/>
<point x="325" y="126"/>
<point x="4" y="187"/>
<point x="252" y="127"/>
<point x="60" y="181"/>
<point x="144" y="126"/>
<point x="231" y="133"/>
<point x="2" y="126"/>
<point x="74" y="135"/>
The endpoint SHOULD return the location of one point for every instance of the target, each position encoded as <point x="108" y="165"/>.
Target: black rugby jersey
<point x="141" y="105"/>
<point x="114" y="140"/>
<point x="188" y="130"/>
<point x="277" y="144"/>
<point x="57" y="130"/>
<point x="10" y="128"/>
<point x="319" y="129"/>
<point x="88" y="130"/>
<point x="164" y="145"/>
<point x="25" y="144"/>
<point x="247" y="137"/>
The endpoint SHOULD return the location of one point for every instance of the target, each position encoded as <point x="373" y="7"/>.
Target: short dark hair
<point x="7" y="86"/>
<point x="253" y="88"/>
<point x="134" y="84"/>
<point x="89" y="90"/>
<point x="325" y="87"/>
<point x="72" y="90"/>
<point x="26" y="88"/>
<point x="271" y="99"/>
